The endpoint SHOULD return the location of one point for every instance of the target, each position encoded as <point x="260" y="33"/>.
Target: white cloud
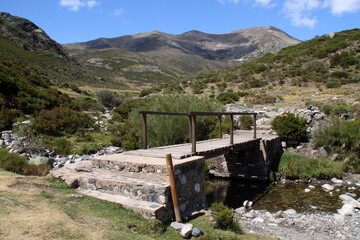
<point x="299" y="11"/>
<point x="224" y="1"/>
<point x="339" y="7"/>
<point x="74" y="5"/>
<point x="118" y="12"/>
<point x="264" y="2"/>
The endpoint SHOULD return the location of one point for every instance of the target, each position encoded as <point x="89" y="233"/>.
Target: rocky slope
<point x="28" y="36"/>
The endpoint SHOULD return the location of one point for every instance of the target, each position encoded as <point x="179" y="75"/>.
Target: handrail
<point x="192" y="124"/>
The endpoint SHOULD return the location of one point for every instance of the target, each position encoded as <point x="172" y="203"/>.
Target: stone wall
<point x="255" y="162"/>
<point x="190" y="185"/>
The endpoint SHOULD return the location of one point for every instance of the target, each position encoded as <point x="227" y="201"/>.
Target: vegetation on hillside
<point x="326" y="61"/>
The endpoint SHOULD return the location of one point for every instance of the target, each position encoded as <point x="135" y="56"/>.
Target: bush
<point x="91" y="148"/>
<point x="224" y="218"/>
<point x="227" y="97"/>
<point x="11" y="161"/>
<point x="294" y="166"/>
<point x="290" y="128"/>
<point x="108" y="98"/>
<point x="342" y="137"/>
<point x="61" y="146"/>
<point x="333" y="84"/>
<point x="7" y="118"/>
<point x="59" y="120"/>
<point x="167" y="130"/>
<point x="246" y="122"/>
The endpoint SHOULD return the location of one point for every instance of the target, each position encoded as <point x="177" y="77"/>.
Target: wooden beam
<point x="220" y="127"/>
<point x="193" y="134"/>
<point x="255" y="126"/>
<point x="231" y="129"/>
<point x="190" y="130"/>
<point x="174" y="195"/>
<point x="144" y="131"/>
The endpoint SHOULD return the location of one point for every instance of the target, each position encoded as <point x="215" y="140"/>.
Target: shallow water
<point x="275" y="197"/>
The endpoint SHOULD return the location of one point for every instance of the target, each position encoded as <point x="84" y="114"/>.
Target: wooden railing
<point x="192" y="124"/>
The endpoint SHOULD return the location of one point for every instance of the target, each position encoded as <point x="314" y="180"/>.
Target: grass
<point x="294" y="166"/>
<point x="44" y="208"/>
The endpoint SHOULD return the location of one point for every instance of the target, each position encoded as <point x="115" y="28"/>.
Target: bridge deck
<point x="205" y="148"/>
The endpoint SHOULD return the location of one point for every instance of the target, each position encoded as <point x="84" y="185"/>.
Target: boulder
<point x="39" y="160"/>
<point x="177" y="226"/>
<point x="240" y="210"/>
<point x="328" y="187"/>
<point x="288" y="213"/>
<point x="196" y="232"/>
<point x="337" y="181"/>
<point x="346" y="210"/>
<point x="186" y="230"/>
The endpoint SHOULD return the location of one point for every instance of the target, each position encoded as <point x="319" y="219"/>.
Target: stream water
<point x="275" y="197"/>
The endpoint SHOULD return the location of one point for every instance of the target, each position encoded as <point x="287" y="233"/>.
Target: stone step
<point x="146" y="209"/>
<point x="113" y="183"/>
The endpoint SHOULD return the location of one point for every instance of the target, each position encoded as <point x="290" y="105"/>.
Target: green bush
<point x="224" y="217"/>
<point x="61" y="146"/>
<point x="246" y="121"/>
<point x="343" y="138"/>
<point x="333" y="84"/>
<point x="91" y="148"/>
<point x="11" y="161"/>
<point x="7" y="118"/>
<point x="334" y="108"/>
<point x="227" y="97"/>
<point x="167" y="130"/>
<point x="290" y="128"/>
<point x="294" y="166"/>
<point x="108" y="98"/>
<point x="60" y="120"/>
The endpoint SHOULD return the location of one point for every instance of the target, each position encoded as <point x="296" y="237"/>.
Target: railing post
<point x="254" y="125"/>
<point x="193" y="133"/>
<point x="144" y="131"/>
<point x="174" y="194"/>
<point x="190" y="130"/>
<point x="231" y="129"/>
<point x="220" y="127"/>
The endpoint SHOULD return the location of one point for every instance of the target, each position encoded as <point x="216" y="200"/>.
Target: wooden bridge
<point x="139" y="179"/>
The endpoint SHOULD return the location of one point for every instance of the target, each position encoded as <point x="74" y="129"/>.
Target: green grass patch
<point x="294" y="166"/>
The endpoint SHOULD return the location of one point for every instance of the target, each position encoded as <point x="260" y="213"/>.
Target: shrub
<point x="90" y="148"/>
<point x="36" y="170"/>
<point x="335" y="108"/>
<point x="59" y="120"/>
<point x="316" y="66"/>
<point x="227" y="97"/>
<point x="342" y="137"/>
<point x="108" y="98"/>
<point x="246" y="122"/>
<point x="290" y="128"/>
<point x="7" y="118"/>
<point x="61" y="146"/>
<point x="167" y="130"/>
<point x="11" y="161"/>
<point x="224" y="217"/>
<point x="333" y="84"/>
<point x="294" y="166"/>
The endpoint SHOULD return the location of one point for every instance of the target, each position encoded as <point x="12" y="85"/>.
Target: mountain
<point x="26" y="35"/>
<point x="22" y="43"/>
<point x="157" y="57"/>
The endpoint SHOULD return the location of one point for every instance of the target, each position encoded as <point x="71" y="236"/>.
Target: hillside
<point x="157" y="57"/>
<point x="325" y="62"/>
<point x="22" y="43"/>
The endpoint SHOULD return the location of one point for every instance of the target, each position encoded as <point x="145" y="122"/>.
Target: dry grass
<point x="26" y="214"/>
<point x="41" y="208"/>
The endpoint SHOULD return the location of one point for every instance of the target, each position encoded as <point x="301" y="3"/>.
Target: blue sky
<point x="69" y="21"/>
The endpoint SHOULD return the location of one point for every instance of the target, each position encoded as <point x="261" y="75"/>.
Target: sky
<point x="68" y="21"/>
